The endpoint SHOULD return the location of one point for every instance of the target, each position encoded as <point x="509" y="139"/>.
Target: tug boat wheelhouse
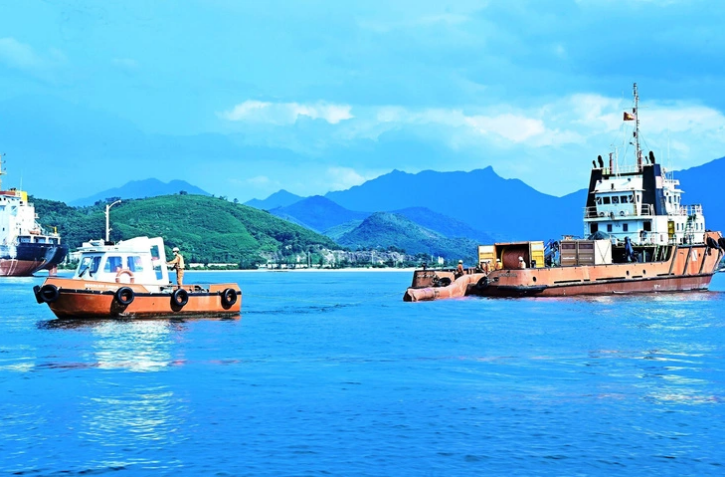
<point x="129" y="279"/>
<point x="640" y="238"/>
<point x="25" y="247"/>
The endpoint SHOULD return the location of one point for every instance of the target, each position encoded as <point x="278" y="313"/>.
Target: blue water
<point x="333" y="374"/>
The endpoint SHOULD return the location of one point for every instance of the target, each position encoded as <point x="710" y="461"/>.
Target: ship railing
<point x="620" y="170"/>
<point x="687" y="210"/>
<point x="594" y="212"/>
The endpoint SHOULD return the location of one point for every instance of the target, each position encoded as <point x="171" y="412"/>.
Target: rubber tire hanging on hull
<point x="229" y="297"/>
<point x="48" y="293"/>
<point x="125" y="296"/>
<point x="180" y="298"/>
<point x="441" y="282"/>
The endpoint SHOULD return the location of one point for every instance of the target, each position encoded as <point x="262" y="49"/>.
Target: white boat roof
<point x="134" y="245"/>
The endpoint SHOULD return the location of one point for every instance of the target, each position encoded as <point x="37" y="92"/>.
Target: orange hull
<point x="87" y="299"/>
<point x="690" y="268"/>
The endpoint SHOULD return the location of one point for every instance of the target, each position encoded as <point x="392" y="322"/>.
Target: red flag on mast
<point x="628" y="116"/>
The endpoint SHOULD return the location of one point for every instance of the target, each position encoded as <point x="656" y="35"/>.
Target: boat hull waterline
<point x="23" y="260"/>
<point x="68" y="298"/>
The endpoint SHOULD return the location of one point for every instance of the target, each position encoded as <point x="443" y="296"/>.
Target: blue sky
<point x="245" y="98"/>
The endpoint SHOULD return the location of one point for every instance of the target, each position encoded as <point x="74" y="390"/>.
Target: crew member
<point x="459" y="269"/>
<point x="522" y="264"/>
<point x="498" y="265"/>
<point x="178" y="265"/>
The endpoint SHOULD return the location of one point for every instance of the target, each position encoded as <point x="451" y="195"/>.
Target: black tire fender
<point x="48" y="293"/>
<point x="180" y="297"/>
<point x="125" y="296"/>
<point x="482" y="282"/>
<point x="229" y="297"/>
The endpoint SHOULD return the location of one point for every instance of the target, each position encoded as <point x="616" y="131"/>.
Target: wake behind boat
<point x="130" y="279"/>
<point x="640" y="238"/>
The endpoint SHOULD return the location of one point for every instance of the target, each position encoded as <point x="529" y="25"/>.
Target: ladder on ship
<point x="689" y="236"/>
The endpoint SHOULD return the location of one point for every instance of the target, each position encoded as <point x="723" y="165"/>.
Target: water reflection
<point x="123" y="424"/>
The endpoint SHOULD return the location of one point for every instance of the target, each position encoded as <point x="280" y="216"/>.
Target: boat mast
<point x="636" y="128"/>
<point x="2" y="172"/>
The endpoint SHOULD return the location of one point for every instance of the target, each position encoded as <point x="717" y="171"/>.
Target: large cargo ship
<point x="25" y="247"/>
<point x="639" y="238"/>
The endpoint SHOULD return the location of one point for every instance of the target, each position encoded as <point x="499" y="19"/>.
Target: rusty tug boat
<point x="640" y="239"/>
<point x="130" y="279"/>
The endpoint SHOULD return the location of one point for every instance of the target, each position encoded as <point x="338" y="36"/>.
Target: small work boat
<point x="130" y="279"/>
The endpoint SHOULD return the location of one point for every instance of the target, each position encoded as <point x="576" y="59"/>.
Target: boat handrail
<point x="629" y="211"/>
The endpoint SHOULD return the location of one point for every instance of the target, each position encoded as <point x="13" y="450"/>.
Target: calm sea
<point x="332" y="374"/>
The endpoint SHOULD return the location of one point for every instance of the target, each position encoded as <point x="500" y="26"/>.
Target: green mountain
<point x="387" y="230"/>
<point x="206" y="229"/>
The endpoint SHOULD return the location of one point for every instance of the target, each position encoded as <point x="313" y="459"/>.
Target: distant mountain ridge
<point x="317" y="213"/>
<point x="141" y="189"/>
<point x="384" y="230"/>
<point x="481" y="199"/>
<point x="281" y="198"/>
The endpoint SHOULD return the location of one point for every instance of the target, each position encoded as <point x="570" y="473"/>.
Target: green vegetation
<point x="206" y="229"/>
<point x="394" y="232"/>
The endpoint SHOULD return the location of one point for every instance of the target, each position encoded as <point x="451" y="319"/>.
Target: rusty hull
<point x="689" y="268"/>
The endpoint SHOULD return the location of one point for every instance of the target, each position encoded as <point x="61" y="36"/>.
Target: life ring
<point x="601" y="214"/>
<point x="125" y="271"/>
<point x="180" y="297"/>
<point x="621" y="212"/>
<point x="229" y="297"/>
<point x="48" y="293"/>
<point x="125" y="296"/>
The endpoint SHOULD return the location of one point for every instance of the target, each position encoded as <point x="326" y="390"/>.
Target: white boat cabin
<point x="140" y="260"/>
<point x="644" y="205"/>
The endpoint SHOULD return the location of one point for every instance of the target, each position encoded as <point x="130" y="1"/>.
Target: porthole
<point x="644" y="272"/>
<point x="533" y="279"/>
<point x="627" y="272"/>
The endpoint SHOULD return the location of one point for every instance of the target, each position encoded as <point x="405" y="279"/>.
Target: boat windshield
<point x="89" y="265"/>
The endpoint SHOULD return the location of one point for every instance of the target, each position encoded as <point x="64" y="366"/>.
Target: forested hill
<point x="206" y="229"/>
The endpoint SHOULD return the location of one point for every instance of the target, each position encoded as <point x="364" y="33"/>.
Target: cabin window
<point x="623" y="199"/>
<point x="599" y="201"/>
<point x="609" y="227"/>
<point x="606" y="200"/>
<point x="625" y="227"/>
<point x="113" y="264"/>
<point x="631" y="197"/>
<point x="647" y="226"/>
<point x="615" y="200"/>
<point x="156" y="261"/>
<point x="89" y="264"/>
<point x="593" y="228"/>
<point x="134" y="264"/>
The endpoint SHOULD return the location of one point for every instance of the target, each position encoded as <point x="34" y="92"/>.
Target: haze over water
<point x="332" y="374"/>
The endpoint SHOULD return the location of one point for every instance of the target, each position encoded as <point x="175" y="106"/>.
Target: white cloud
<point x="340" y="178"/>
<point x="258" y="180"/>
<point x="23" y="57"/>
<point x="128" y="64"/>
<point x="287" y="113"/>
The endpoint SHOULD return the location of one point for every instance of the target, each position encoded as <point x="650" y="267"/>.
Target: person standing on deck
<point x="178" y="265"/>
<point x="459" y="269"/>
